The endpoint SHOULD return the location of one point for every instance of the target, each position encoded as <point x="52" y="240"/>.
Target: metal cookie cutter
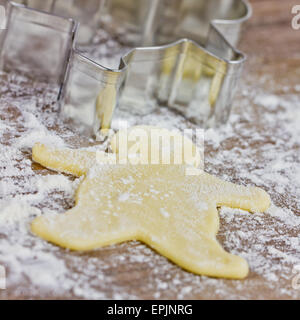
<point x="183" y="55"/>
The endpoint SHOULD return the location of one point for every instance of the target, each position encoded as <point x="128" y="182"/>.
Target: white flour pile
<point x="260" y="146"/>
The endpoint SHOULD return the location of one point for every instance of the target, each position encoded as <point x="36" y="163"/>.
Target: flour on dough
<point x="160" y="205"/>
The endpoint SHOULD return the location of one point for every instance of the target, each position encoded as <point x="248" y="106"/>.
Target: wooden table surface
<point x="132" y="270"/>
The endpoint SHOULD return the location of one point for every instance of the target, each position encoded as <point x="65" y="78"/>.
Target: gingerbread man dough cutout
<point x="160" y="205"/>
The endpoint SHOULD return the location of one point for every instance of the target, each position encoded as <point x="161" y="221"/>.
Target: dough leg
<point x="203" y="255"/>
<point x="81" y="229"/>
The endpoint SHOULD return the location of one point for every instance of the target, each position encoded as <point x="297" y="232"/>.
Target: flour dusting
<point x="259" y="146"/>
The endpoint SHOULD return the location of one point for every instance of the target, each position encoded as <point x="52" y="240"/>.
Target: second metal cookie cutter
<point x="183" y="55"/>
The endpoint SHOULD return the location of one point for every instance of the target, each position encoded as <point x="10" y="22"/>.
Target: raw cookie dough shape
<point x="159" y="205"/>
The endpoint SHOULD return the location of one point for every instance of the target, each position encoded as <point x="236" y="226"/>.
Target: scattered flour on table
<point x="235" y="151"/>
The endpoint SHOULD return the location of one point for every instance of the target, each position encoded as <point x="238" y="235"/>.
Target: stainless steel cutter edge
<point x="112" y="85"/>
